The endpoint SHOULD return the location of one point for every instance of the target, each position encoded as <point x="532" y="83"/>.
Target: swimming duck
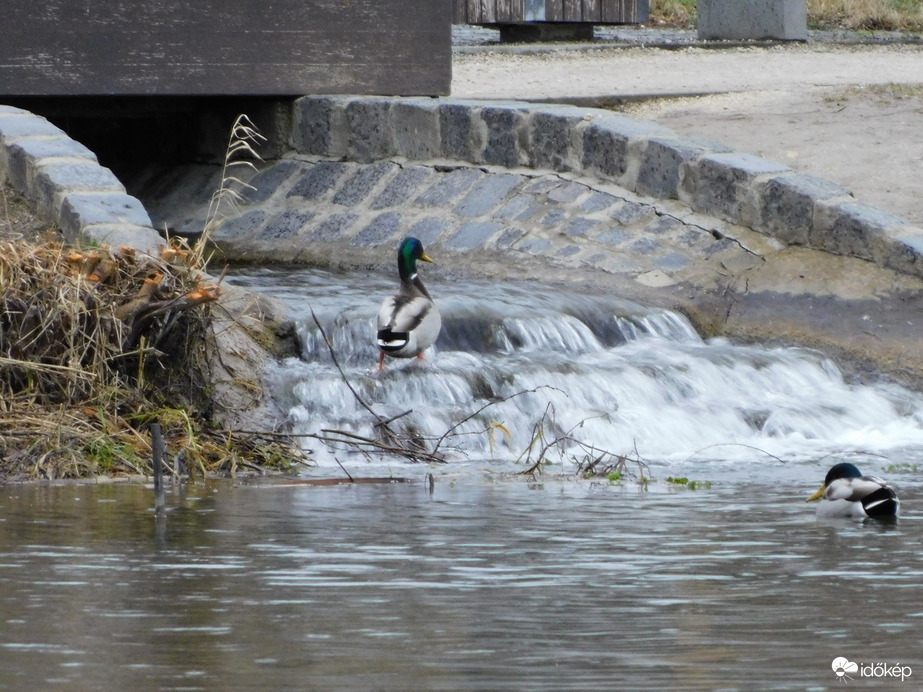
<point x="847" y="493"/>
<point x="409" y="322"/>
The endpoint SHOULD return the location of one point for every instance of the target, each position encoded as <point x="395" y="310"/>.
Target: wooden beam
<point x="225" y="47"/>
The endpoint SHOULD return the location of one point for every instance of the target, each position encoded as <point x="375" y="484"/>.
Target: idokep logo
<point x="845" y="670"/>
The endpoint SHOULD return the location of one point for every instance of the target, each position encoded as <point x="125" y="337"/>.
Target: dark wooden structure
<point x="224" y="47"/>
<point x="525" y="19"/>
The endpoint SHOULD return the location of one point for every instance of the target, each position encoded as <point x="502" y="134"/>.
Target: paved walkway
<point x="845" y="107"/>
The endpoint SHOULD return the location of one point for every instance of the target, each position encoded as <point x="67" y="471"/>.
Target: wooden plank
<point x="592" y="11"/>
<point x="503" y="10"/>
<point x="213" y="47"/>
<point x="488" y="11"/>
<point x="573" y="11"/>
<point x="554" y="10"/>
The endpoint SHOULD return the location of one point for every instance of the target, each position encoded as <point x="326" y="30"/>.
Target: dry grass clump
<point x="866" y="15"/>
<point x="88" y="344"/>
<point x="853" y="15"/>
<point x="96" y="343"/>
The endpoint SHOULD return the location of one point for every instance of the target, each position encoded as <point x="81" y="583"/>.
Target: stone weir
<point x="746" y="247"/>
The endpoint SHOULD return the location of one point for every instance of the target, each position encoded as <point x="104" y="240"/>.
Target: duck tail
<point x="881" y="503"/>
<point x="390" y="341"/>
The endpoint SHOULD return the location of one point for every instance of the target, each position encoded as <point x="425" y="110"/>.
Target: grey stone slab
<point x="672" y="261"/>
<point x="427" y="230"/>
<point x="787" y="205"/>
<point x="287" y="224"/>
<point x="473" y="235"/>
<point x="568" y="251"/>
<point x="247" y="225"/>
<point x="645" y="246"/>
<point x="554" y="217"/>
<point x="579" y="226"/>
<point x="449" y="186"/>
<point x="631" y="213"/>
<point x="403" y="187"/>
<point x="333" y="228"/>
<point x="662" y="225"/>
<point x="268" y="181"/>
<point x="516" y="207"/>
<point x="357" y="188"/>
<point x="613" y="236"/>
<point x="567" y="192"/>
<point x="535" y="246"/>
<point x="370" y="136"/>
<point x="598" y="201"/>
<point x="487" y="194"/>
<point x="509" y="237"/>
<point x="381" y="229"/>
<point x="319" y="180"/>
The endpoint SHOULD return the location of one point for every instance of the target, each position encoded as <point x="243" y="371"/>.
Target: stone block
<point x="415" y="127"/>
<point x="14" y="126"/>
<point x="607" y="146"/>
<point x="723" y="185"/>
<point x="24" y="155"/>
<point x="555" y="138"/>
<point x="141" y="238"/>
<point x="82" y="209"/>
<point x="55" y="179"/>
<point x="661" y="161"/>
<point x="369" y="135"/>
<point x="847" y="227"/>
<point x="332" y="229"/>
<point x="460" y="139"/>
<point x="319" y="125"/>
<point x="787" y="205"/>
<point x="752" y="19"/>
<point x="506" y="136"/>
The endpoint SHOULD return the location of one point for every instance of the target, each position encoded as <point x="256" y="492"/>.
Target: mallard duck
<point x="847" y="493"/>
<point x="409" y="322"/>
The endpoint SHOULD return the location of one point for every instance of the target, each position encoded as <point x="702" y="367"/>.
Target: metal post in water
<point x="157" y="449"/>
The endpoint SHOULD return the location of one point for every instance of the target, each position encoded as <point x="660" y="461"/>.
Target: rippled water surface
<point x="476" y="577"/>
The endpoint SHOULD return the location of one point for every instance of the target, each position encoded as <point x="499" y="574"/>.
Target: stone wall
<point x="637" y="155"/>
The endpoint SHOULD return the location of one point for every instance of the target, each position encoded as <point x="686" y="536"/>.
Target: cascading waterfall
<point x="622" y="377"/>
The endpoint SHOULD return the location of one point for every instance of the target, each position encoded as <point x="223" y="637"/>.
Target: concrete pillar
<point x="785" y="20"/>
